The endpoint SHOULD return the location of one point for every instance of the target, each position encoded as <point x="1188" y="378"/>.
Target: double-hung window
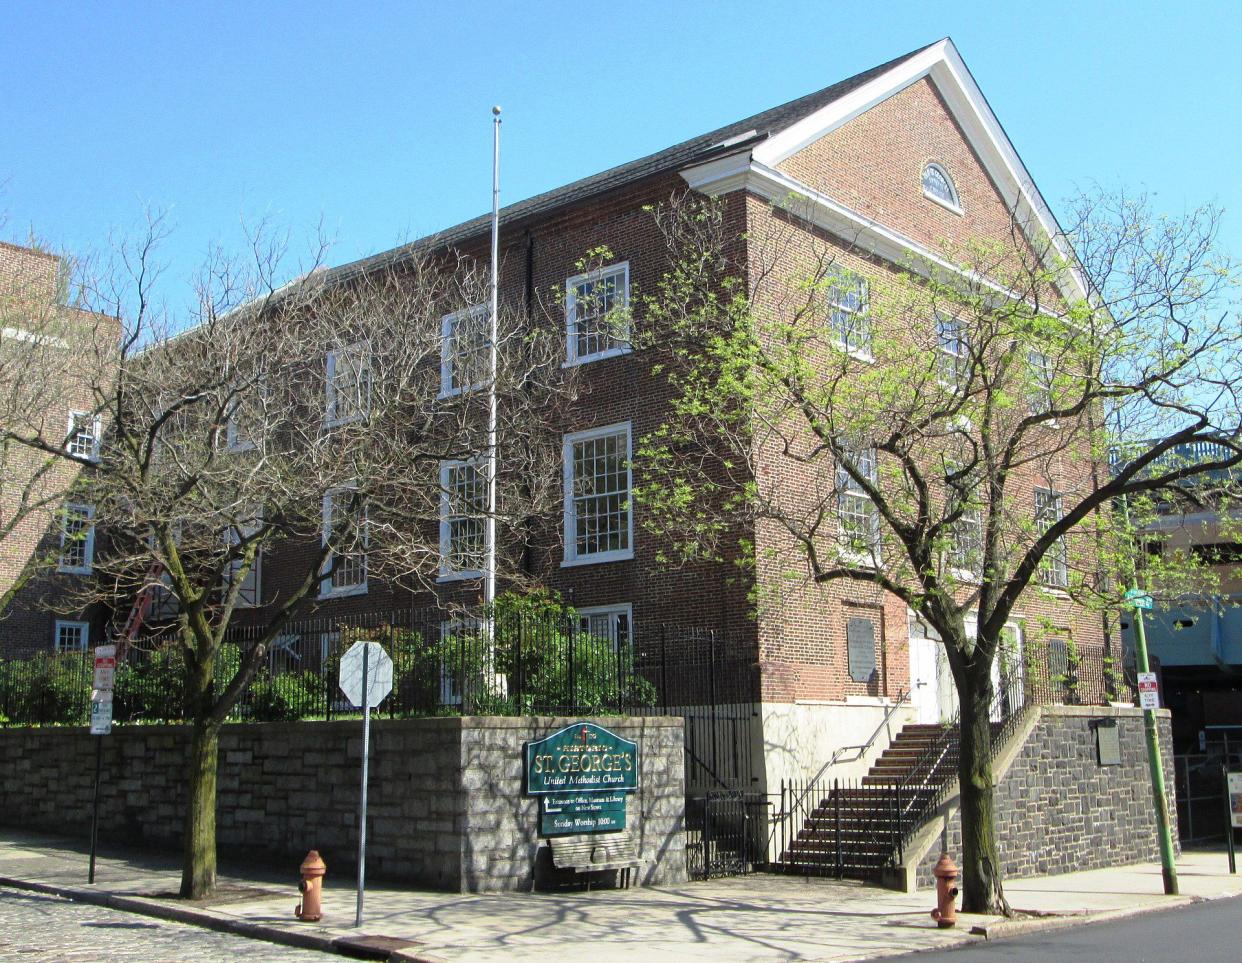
<point x="1054" y="569"/>
<point x="848" y="297"/>
<point x="858" y="520"/>
<point x="345" y="530"/>
<point x="597" y="319"/>
<point x="599" y="526"/>
<point x="243" y="423"/>
<point x="77" y="539"/>
<point x="348" y="386"/>
<point x="463" y="507"/>
<point x="608" y="622"/>
<point x="249" y="594"/>
<point x="966" y="542"/>
<point x="953" y="350"/>
<point x="83" y="435"/>
<point x="464" y="345"/>
<point x="1039" y="395"/>
<point x="72" y="636"/>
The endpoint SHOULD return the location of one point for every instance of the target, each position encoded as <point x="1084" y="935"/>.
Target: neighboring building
<point x="48" y="360"/>
<point x="1194" y="641"/>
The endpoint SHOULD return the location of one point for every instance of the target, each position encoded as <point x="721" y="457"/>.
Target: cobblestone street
<point x="47" y="928"/>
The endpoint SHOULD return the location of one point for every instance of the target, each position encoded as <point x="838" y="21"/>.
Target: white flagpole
<point x="489" y="531"/>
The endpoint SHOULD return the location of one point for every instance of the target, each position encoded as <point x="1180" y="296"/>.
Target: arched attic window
<point x="939" y="187"/>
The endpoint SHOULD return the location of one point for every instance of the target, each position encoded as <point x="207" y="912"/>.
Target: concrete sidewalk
<point x="758" y="917"/>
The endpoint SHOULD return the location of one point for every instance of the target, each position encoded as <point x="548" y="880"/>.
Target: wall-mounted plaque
<point x="860" y="646"/>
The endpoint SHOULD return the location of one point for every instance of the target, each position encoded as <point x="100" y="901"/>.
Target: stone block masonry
<point x="1059" y="810"/>
<point x="446" y="808"/>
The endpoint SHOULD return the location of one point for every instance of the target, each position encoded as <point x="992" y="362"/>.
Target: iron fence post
<point x="573" y="681"/>
<point x="836" y="806"/>
<point x="663" y="667"/>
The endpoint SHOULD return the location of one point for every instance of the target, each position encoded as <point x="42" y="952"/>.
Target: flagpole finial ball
<point x="496" y="110"/>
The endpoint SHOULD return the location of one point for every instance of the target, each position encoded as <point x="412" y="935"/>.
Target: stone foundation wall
<point x="445" y="796"/>
<point x="1059" y="810"/>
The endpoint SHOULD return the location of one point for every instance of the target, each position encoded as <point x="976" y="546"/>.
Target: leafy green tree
<point x="949" y="421"/>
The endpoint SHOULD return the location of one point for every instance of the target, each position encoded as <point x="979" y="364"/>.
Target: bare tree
<point x="948" y="424"/>
<point x="307" y="423"/>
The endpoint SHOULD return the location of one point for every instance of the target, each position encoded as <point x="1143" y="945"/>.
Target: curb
<point x="352" y="946"/>
<point x="1007" y="929"/>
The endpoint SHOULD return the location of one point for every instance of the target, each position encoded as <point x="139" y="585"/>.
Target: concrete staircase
<point x="854" y="828"/>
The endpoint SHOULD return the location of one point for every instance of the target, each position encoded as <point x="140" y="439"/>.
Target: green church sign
<point x="581" y="758"/>
<point x="584" y="812"/>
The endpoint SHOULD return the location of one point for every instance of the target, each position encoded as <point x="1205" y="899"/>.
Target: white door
<point x="925" y="679"/>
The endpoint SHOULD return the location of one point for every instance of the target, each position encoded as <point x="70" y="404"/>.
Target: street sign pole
<point x="1168" y="867"/>
<point x="103" y="679"/>
<point x="362" y="800"/>
<point x="90" y="876"/>
<point x="1233" y="862"/>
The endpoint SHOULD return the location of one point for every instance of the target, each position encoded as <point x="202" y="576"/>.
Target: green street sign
<point x="592" y="812"/>
<point x="1138" y="599"/>
<point x="582" y="758"/>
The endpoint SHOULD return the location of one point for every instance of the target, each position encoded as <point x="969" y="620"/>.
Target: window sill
<point x="599" y="356"/>
<point x="339" y="422"/>
<point x="850" y="560"/>
<point x="73" y="570"/>
<point x="346" y="592"/>
<point x="240" y="449"/>
<point x="1054" y="591"/>
<point x="600" y="559"/>
<point x="866" y="357"/>
<point x="447" y="577"/>
<point x="948" y="206"/>
<point x="447" y="393"/>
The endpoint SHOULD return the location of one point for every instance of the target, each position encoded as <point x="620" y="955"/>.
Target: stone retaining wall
<point x="1059" y="810"/>
<point x="445" y="796"/>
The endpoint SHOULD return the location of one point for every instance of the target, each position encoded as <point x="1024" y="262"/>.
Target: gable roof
<point x="696" y="150"/>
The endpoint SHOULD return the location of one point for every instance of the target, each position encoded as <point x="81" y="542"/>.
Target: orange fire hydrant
<point x="945" y="913"/>
<point x="312" y="869"/>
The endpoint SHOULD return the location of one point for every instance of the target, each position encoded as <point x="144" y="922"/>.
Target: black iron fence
<point x="443" y="664"/>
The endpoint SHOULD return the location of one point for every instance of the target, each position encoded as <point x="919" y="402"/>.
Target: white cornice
<point x="715" y="178"/>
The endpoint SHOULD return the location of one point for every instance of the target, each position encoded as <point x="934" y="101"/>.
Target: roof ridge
<point x="678" y="155"/>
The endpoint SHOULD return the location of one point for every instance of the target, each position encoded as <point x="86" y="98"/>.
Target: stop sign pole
<point x="372" y="663"/>
<point x="362" y="798"/>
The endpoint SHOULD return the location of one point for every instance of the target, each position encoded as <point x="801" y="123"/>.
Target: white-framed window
<point x="71" y="636"/>
<point x="463" y="510"/>
<point x="348" y="384"/>
<point x="83" y="435"/>
<point x="1049" y="508"/>
<point x="599" y="523"/>
<point x="1039" y="396"/>
<point x="849" y="297"/>
<point x="465" y="339"/>
<point x="240" y="429"/>
<point x="251" y="591"/>
<point x="953" y="350"/>
<point x="345" y="571"/>
<point x="597" y="320"/>
<point x="611" y="622"/>
<point x="938" y="186"/>
<point x="966" y="542"/>
<point x="77" y="539"/>
<point x="857" y="518"/>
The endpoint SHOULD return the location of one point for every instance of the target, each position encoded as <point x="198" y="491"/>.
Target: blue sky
<point x="375" y="117"/>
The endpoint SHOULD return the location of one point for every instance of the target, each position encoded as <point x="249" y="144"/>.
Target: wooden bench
<point x="596" y="853"/>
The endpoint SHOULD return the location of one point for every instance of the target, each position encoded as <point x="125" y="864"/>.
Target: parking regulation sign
<point x="101" y="712"/>
<point x="1149" y="692"/>
<point x="105" y="667"/>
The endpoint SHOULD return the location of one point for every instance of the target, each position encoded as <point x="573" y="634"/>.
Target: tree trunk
<point x="198" y="864"/>
<point x="980" y="878"/>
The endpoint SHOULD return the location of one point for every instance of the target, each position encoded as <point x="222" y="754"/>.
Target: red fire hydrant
<point x="312" y="869"/>
<point x="945" y="913"/>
